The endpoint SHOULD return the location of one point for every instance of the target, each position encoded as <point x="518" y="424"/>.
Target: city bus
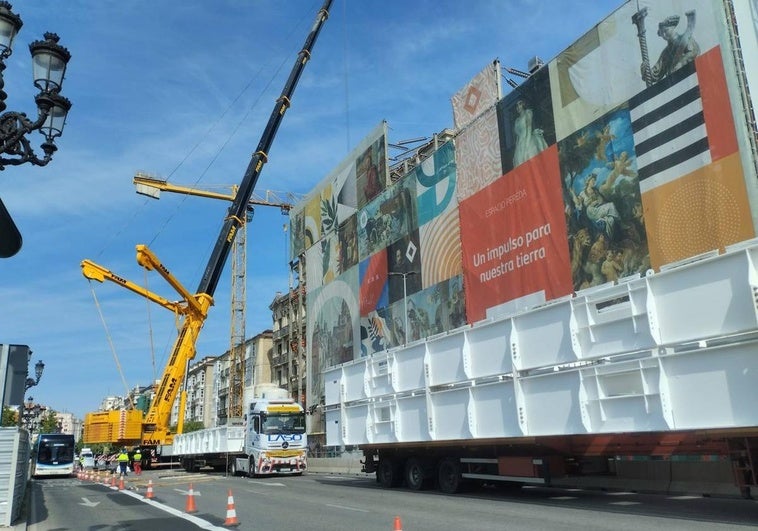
<point x="53" y="455"/>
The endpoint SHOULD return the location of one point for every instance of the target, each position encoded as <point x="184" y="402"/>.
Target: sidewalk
<point x="336" y="465"/>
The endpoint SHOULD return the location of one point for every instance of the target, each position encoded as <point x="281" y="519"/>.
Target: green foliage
<point x="193" y="425"/>
<point x="189" y="426"/>
<point x="10" y="417"/>
<point x="49" y="423"/>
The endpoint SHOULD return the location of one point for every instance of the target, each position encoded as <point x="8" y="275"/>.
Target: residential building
<point x="200" y="397"/>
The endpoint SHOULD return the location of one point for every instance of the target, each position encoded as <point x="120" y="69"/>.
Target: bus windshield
<point x="53" y="455"/>
<point x="284" y="423"/>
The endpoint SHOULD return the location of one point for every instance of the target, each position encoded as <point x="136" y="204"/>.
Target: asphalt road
<point x="334" y="503"/>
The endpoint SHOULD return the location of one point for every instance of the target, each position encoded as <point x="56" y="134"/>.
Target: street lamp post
<point x="39" y="368"/>
<point x="49" y="60"/>
<point x="405" y="300"/>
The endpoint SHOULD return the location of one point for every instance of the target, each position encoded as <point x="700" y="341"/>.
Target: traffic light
<point x="10" y="237"/>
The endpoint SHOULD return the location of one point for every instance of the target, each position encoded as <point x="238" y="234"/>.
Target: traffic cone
<point x="190" y="508"/>
<point x="113" y="480"/>
<point x="398" y="524"/>
<point x="149" y="493"/>
<point x="121" y="482"/>
<point x="231" y="513"/>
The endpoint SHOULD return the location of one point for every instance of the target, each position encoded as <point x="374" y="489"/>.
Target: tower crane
<point x="155" y="433"/>
<point x="152" y="187"/>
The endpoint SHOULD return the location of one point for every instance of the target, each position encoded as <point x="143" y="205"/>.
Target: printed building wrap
<point x="631" y="150"/>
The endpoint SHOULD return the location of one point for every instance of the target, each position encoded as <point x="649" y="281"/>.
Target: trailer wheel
<point x="188" y="464"/>
<point x="389" y="474"/>
<point x="449" y="475"/>
<point x="233" y="467"/>
<point x="416" y="474"/>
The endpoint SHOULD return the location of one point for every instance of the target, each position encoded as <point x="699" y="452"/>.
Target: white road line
<point x="253" y="482"/>
<point x="347" y="508"/>
<point x="685" y="497"/>
<point x="563" y="498"/>
<point x="621" y="493"/>
<point x="175" y="512"/>
<point x="186" y="492"/>
<point x="624" y="503"/>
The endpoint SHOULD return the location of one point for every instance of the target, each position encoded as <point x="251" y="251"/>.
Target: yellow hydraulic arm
<point x="194" y="309"/>
<point x="152" y="187"/>
<point x="155" y="430"/>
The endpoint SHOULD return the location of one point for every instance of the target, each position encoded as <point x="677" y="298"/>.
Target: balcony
<point x="281" y="332"/>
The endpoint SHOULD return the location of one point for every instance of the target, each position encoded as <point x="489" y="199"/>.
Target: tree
<point x="190" y="426"/>
<point x="49" y="423"/>
<point x="10" y="417"/>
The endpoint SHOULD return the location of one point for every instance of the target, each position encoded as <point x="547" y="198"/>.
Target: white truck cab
<point x="87" y="458"/>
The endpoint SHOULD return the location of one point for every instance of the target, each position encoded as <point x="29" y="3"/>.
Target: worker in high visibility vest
<point x="137" y="462"/>
<point x="123" y="461"/>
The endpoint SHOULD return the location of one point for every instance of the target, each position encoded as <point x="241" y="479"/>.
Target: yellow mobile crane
<point x="152" y="187"/>
<point x="194" y="308"/>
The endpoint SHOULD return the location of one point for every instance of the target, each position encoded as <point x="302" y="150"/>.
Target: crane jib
<point x="228" y="231"/>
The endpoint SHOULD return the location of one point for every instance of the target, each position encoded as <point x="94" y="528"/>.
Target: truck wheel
<point x="388" y="475"/>
<point x="416" y="474"/>
<point x="233" y="467"/>
<point x="449" y="475"/>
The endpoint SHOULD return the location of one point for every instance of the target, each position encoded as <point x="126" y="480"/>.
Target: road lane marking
<point x="624" y="503"/>
<point x="202" y="524"/>
<point x="563" y="498"/>
<point x="253" y="482"/>
<point x="347" y="508"/>
<point x="186" y="492"/>
<point x="87" y="503"/>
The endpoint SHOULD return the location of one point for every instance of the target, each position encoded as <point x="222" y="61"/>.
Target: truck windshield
<point x="284" y="423"/>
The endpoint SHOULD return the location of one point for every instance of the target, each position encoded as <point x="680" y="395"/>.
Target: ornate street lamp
<point x="49" y="60"/>
<point x="39" y="367"/>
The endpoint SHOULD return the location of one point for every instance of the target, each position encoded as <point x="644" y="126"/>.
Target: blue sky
<point x="182" y="90"/>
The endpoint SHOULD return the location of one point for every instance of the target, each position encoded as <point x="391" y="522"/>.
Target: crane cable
<point x="110" y="342"/>
<point x="150" y="331"/>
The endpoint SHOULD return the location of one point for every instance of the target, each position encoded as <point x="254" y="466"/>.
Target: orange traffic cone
<point x="121" y="482"/>
<point x="149" y="494"/>
<point x="113" y="480"/>
<point x="398" y="524"/>
<point x="190" y="508"/>
<point x="231" y="513"/>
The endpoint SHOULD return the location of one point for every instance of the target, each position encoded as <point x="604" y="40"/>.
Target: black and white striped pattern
<point x="669" y="130"/>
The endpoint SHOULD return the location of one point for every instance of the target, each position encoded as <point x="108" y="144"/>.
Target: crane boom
<point x="152" y="187"/>
<point x="155" y="429"/>
<point x="220" y="252"/>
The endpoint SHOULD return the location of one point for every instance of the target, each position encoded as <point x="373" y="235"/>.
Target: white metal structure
<point x="675" y="350"/>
